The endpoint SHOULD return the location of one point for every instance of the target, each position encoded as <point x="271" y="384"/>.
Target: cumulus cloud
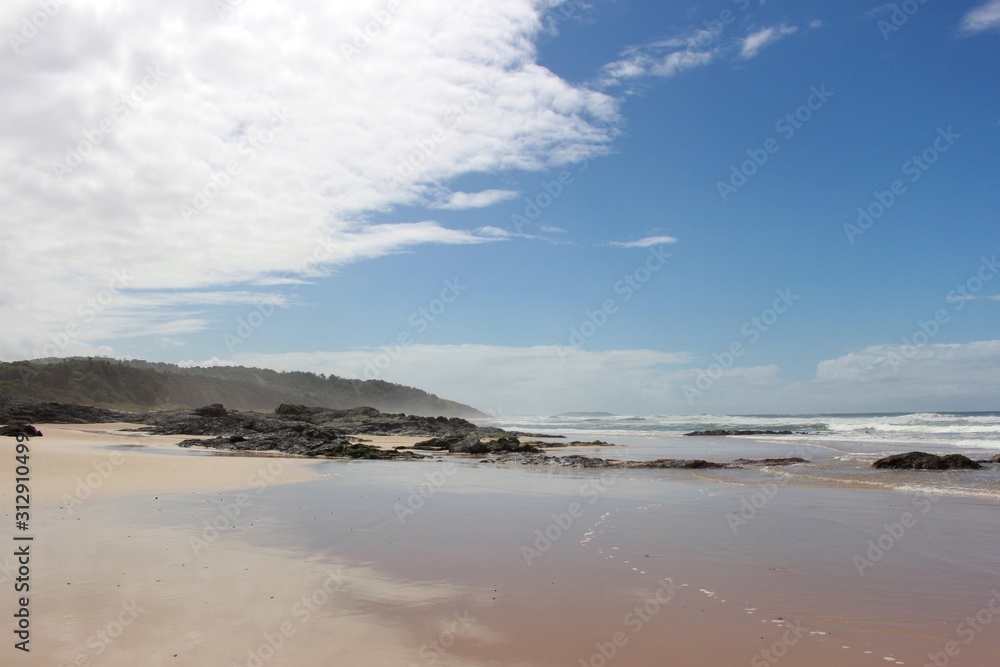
<point x="197" y="151"/>
<point x="984" y="17"/>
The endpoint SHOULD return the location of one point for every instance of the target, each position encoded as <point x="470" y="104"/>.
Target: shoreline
<point x="217" y="560"/>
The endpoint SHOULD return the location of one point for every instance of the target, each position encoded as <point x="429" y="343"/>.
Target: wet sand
<point x="182" y="558"/>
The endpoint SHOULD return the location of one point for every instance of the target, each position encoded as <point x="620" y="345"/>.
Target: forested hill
<point x="142" y="384"/>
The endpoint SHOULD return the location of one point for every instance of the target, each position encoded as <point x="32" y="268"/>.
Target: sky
<point x="529" y="206"/>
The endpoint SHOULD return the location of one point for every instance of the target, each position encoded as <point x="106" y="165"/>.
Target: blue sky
<point x="572" y="236"/>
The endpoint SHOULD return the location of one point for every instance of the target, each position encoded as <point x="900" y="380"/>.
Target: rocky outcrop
<point x="925" y="461"/>
<point x="213" y="410"/>
<point x="18" y="411"/>
<point x="579" y="461"/>
<point x="310" y="431"/>
<point x="300" y="444"/>
<point x="472" y="444"/>
<point x="14" y="430"/>
<point x="792" y="460"/>
<point x="574" y="443"/>
<point x="995" y="459"/>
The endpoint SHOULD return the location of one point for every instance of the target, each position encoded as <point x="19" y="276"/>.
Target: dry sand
<point x="145" y="554"/>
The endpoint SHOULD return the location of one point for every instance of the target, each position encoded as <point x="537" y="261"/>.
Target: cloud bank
<point x="197" y="146"/>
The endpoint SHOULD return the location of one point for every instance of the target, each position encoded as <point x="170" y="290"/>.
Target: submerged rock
<point x="792" y="460"/>
<point x="472" y="444"/>
<point x="925" y="461"/>
<point x="580" y="461"/>
<point x="721" y="432"/>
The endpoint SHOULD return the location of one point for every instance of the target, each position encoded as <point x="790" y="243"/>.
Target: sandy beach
<point x="147" y="554"/>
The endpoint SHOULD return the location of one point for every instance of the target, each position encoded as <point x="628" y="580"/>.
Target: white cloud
<point x="665" y="58"/>
<point x="320" y="137"/>
<point x="984" y="17"/>
<point x="548" y="379"/>
<point x="520" y="380"/>
<point x="647" y="242"/>
<point x="753" y="43"/>
<point x="457" y="201"/>
<point x="669" y="57"/>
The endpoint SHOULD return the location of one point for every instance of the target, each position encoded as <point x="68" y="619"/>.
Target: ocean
<point x="839" y="447"/>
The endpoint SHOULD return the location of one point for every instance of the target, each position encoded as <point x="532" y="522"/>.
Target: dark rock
<point x="924" y="461"/>
<point x="575" y="443"/>
<point x="721" y="432"/>
<point x="17" y="411"/>
<point x="470" y="444"/>
<point x="213" y="410"/>
<point x="300" y="445"/>
<point x="14" y="430"/>
<point x="580" y="461"/>
<point x="770" y="462"/>
<point x="995" y="459"/>
<point x="674" y="463"/>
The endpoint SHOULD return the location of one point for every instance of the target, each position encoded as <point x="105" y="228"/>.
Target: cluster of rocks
<point x="579" y="461"/>
<point x="721" y="432"/>
<point x="473" y="443"/>
<point x="306" y="443"/>
<point x="18" y="411"/>
<point x="310" y="431"/>
<point x="314" y="431"/>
